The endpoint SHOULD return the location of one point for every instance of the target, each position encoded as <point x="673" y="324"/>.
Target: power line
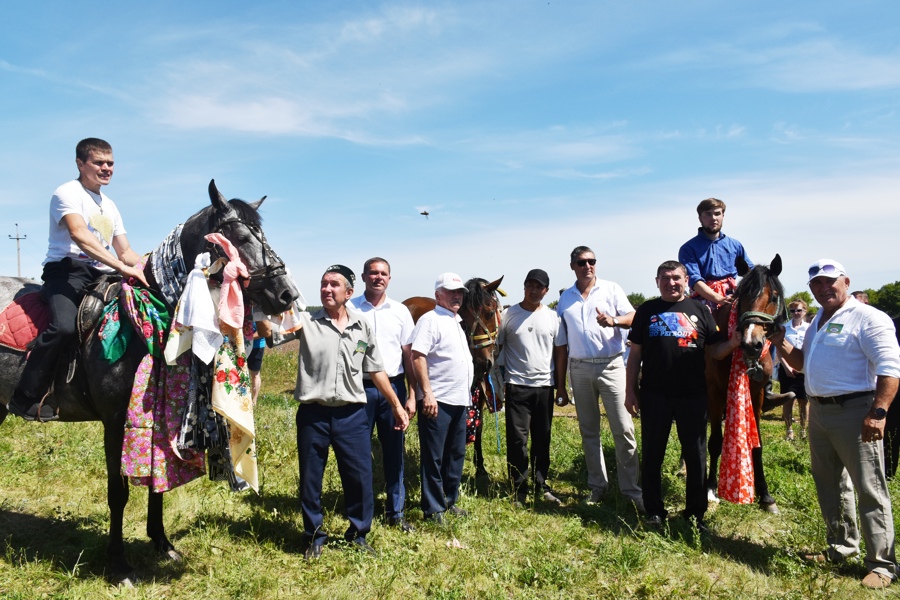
<point x="18" y="251"/>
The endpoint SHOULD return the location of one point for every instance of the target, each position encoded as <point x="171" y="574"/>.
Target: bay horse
<point x="762" y="310"/>
<point x="100" y="391"/>
<point x="480" y="314"/>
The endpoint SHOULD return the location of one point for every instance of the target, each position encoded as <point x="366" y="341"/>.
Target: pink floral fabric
<point x="741" y="435"/>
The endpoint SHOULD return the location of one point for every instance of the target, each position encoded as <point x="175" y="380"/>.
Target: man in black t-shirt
<point x="666" y="380"/>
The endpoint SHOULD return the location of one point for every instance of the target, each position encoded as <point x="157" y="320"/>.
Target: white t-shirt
<point x="527" y="341"/>
<point x="578" y="327"/>
<point x="97" y="210"/>
<point x="393" y="327"/>
<point x="439" y="336"/>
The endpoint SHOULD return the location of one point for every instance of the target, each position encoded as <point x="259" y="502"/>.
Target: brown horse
<point x="480" y="314"/>
<point x="761" y="309"/>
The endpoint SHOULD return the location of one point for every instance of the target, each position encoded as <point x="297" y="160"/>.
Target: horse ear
<point x="775" y="267"/>
<point x="258" y="203"/>
<point x="216" y="198"/>
<point x="742" y="267"/>
<point x="492" y="287"/>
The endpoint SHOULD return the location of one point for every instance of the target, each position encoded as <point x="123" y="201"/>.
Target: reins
<point x="272" y="265"/>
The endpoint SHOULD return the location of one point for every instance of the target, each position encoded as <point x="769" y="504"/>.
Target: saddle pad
<point x="22" y="320"/>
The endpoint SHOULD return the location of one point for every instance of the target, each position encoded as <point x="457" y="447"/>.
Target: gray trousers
<point x="837" y="450"/>
<point x="605" y="380"/>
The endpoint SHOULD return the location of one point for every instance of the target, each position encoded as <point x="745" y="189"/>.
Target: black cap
<point x="540" y="276"/>
<point x="345" y="271"/>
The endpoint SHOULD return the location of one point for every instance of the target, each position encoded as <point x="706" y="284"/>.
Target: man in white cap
<point x="526" y="335"/>
<point x="851" y="360"/>
<point x="444" y="371"/>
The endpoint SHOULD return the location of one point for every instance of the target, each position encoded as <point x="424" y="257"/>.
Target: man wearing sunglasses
<point x="594" y="315"/>
<point x="851" y="360"/>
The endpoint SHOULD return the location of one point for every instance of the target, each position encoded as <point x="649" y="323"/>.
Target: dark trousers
<point x="379" y="413"/>
<point x="64" y="285"/>
<point x="528" y="410"/>
<point x="346" y="429"/>
<point x="442" y="442"/>
<point x="657" y="413"/>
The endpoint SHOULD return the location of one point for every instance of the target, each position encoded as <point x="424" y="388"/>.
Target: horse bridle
<point x="272" y="265"/>
<point x="767" y="322"/>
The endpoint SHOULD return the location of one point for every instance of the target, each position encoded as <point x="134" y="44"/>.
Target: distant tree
<point x="887" y="298"/>
<point x="636" y="299"/>
<point x="553" y="304"/>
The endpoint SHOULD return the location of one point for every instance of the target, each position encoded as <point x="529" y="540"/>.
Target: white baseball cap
<point x="826" y="268"/>
<point x="449" y="281"/>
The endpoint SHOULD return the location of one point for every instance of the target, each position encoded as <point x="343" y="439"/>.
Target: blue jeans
<point x="442" y="442"/>
<point x="379" y="413"/>
<point x="346" y="429"/>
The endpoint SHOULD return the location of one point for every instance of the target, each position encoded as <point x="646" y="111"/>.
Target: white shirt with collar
<point x="440" y="337"/>
<point x="578" y="327"/>
<point x="393" y="325"/>
<point x="846" y="354"/>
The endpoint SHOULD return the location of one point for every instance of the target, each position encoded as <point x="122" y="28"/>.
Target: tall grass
<point x="53" y="522"/>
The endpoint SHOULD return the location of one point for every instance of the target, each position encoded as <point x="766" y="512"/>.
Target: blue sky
<point x="524" y="128"/>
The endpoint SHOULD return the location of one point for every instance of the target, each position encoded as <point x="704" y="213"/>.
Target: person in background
<point x="861" y="296"/>
<point x="790" y="379"/>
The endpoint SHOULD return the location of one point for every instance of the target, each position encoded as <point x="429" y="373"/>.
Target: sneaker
<point x="361" y="544"/>
<point x="457" y="511"/>
<point x="551" y="498"/>
<point x="35" y="412"/>
<point x="815" y="557"/>
<point x="654" y="522"/>
<point x="876" y="581"/>
<point x="596" y="496"/>
<point x="313" y="551"/>
<point x="402" y="524"/>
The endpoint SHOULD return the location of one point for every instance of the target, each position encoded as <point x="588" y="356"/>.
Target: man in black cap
<point x="336" y="347"/>
<point x="527" y="331"/>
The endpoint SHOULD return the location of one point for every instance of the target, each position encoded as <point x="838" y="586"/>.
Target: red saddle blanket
<point x="22" y="320"/>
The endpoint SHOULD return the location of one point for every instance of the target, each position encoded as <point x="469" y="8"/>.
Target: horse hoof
<point x="173" y="555"/>
<point x="711" y="497"/>
<point x="770" y="508"/>
<point x="127" y="583"/>
<point x="482" y="474"/>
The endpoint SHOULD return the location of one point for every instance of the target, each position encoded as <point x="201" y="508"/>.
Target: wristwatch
<point x="615" y="322"/>
<point x="878" y="413"/>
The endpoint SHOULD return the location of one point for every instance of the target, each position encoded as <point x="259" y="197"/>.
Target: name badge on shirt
<point x="834" y="328"/>
<point x="361" y="347"/>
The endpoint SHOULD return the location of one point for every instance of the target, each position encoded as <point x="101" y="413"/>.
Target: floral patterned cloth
<point x="741" y="435"/>
<point x="231" y="398"/>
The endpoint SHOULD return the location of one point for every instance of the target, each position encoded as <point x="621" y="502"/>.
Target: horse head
<point x="761" y="307"/>
<point x="268" y="285"/>
<point x="480" y="314"/>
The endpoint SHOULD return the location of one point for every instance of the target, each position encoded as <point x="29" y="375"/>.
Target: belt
<point x="396" y="380"/>
<point x="598" y="361"/>
<point x="842" y="398"/>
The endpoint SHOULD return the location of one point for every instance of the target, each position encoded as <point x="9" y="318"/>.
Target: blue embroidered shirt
<point x="707" y="259"/>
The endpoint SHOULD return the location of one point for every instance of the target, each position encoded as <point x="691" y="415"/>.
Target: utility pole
<point x="18" y="250"/>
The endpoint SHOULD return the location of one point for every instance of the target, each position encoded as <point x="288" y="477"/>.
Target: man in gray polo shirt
<point x="336" y="347"/>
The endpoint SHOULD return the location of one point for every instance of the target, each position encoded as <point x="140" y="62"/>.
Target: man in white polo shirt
<point x="444" y="371"/>
<point x="851" y="360"/>
<point x="594" y="315"/>
<point x="393" y="327"/>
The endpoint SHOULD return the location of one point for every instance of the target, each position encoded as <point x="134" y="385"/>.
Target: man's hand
<point x="411" y="407"/>
<point x="429" y="405"/>
<point x="562" y="394"/>
<point x="401" y="419"/>
<point x="632" y="403"/>
<point x="605" y="320"/>
<point x="135" y="273"/>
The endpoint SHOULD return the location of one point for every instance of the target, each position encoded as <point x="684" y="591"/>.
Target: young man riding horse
<point x="85" y="227"/>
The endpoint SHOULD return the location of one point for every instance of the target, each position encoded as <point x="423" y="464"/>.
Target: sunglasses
<point x="586" y="261"/>
<point x="796" y="310"/>
<point x="827" y="270"/>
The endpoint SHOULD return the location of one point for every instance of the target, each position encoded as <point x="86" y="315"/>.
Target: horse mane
<point x="754" y="282"/>
<point x="477" y="296"/>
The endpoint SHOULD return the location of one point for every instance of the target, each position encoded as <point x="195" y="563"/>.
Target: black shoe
<point x="31" y="413"/>
<point x="459" y="512"/>
<point x="401" y="524"/>
<point x="436" y="518"/>
<point x="361" y="544"/>
<point x="654" y="522"/>
<point x="313" y="551"/>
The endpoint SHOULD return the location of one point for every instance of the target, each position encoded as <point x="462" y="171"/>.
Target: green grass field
<point x="53" y="522"/>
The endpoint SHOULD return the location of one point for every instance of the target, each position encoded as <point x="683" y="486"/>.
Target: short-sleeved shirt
<point x="393" y="327"/>
<point x="857" y="344"/>
<point x="673" y="337"/>
<point x="440" y="338"/>
<point x="711" y="260"/>
<point x="99" y="213"/>
<point x="332" y="362"/>
<point x="527" y="339"/>
<point x="578" y="327"/>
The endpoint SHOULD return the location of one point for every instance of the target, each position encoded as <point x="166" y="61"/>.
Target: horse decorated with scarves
<point x="480" y="314"/>
<point x="96" y="390"/>
<point x="736" y="386"/>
